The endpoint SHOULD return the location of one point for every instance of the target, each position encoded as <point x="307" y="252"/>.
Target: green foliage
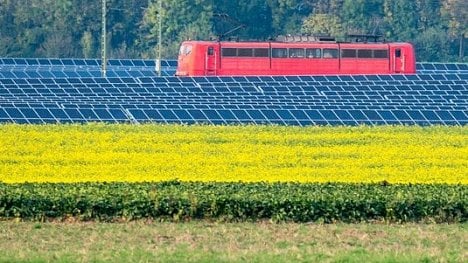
<point x="87" y="44"/>
<point x="432" y="43"/>
<point x="66" y="28"/>
<point x="362" y="16"/>
<point x="255" y="15"/>
<point x="181" y="20"/>
<point x="177" y="201"/>
<point x="402" y="24"/>
<point x="322" y="24"/>
<point x="456" y="12"/>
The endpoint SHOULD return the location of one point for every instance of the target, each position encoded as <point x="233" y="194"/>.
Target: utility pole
<point x="462" y="47"/>
<point x="158" y="61"/>
<point x="104" y="39"/>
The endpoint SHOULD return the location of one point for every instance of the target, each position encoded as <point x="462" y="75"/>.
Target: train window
<point x="261" y="52"/>
<point x="296" y="53"/>
<point x="313" y="53"/>
<point x="210" y="51"/>
<point x="330" y="53"/>
<point x="364" y="53"/>
<point x="348" y="53"/>
<point x="279" y="52"/>
<point x="229" y="52"/>
<point x="381" y="53"/>
<point x="245" y="52"/>
<point x="398" y="53"/>
<point x="185" y="50"/>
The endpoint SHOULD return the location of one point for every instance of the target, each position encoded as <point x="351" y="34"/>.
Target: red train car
<point x="225" y="58"/>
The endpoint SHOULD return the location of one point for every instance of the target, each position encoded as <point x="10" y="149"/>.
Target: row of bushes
<point x="177" y="201"/>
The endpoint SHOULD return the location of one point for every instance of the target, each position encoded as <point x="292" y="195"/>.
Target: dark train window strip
<point x="296" y="53"/>
<point x="229" y="52"/>
<point x="314" y="53"/>
<point x="279" y="52"/>
<point x="304" y="53"/>
<point x="364" y="53"/>
<point x="245" y="52"/>
<point x="381" y="53"/>
<point x="348" y="53"/>
<point x="261" y="52"/>
<point x="330" y="53"/>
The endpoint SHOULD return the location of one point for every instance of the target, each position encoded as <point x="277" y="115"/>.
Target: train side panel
<point x="205" y="58"/>
<point x="238" y="58"/>
<point x="192" y="58"/>
<point x="360" y="58"/>
<point x="402" y="58"/>
<point x="303" y="59"/>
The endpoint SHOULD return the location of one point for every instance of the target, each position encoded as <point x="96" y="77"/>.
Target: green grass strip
<point x="176" y="201"/>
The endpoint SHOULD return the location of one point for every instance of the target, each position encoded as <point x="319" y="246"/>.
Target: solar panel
<point x="37" y="68"/>
<point x="75" y="92"/>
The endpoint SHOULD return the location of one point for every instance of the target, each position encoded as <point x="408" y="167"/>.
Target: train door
<point x="210" y="60"/>
<point x="398" y="59"/>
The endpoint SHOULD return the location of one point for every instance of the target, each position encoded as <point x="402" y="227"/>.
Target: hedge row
<point x="235" y="202"/>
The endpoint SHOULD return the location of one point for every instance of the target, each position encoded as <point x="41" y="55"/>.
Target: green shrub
<point x="176" y="201"/>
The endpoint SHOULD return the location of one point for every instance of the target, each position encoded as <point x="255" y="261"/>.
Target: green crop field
<point x="171" y="193"/>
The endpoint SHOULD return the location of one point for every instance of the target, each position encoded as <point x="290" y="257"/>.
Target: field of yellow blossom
<point x="250" y="153"/>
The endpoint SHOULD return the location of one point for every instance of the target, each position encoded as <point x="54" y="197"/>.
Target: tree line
<point x="67" y="28"/>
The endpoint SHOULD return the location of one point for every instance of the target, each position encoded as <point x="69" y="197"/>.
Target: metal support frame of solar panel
<point x="233" y="110"/>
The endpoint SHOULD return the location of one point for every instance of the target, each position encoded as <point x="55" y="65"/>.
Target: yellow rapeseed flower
<point x="251" y="153"/>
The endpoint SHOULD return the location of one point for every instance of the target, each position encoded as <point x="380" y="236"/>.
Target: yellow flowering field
<point x="251" y="153"/>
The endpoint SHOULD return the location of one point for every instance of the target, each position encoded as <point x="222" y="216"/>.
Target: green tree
<point x="332" y="7"/>
<point x="400" y="19"/>
<point x="29" y="18"/>
<point x="58" y="34"/>
<point x="287" y="16"/>
<point x="362" y="16"/>
<point x="87" y="45"/>
<point x="456" y="12"/>
<point x="181" y="19"/>
<point x="123" y="28"/>
<point x="67" y="28"/>
<point x="433" y="45"/>
<point x="8" y="30"/>
<point x="255" y="15"/>
<point x="428" y="14"/>
<point x="322" y="24"/>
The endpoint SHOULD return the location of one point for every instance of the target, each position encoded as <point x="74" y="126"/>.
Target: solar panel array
<point x="78" y="68"/>
<point x="438" y="94"/>
<point x="81" y="68"/>
<point x="428" y="68"/>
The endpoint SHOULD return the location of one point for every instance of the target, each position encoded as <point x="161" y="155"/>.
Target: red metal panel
<point x="400" y="59"/>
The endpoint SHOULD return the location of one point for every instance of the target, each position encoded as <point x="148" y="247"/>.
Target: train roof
<point x="243" y="43"/>
<point x="350" y="39"/>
